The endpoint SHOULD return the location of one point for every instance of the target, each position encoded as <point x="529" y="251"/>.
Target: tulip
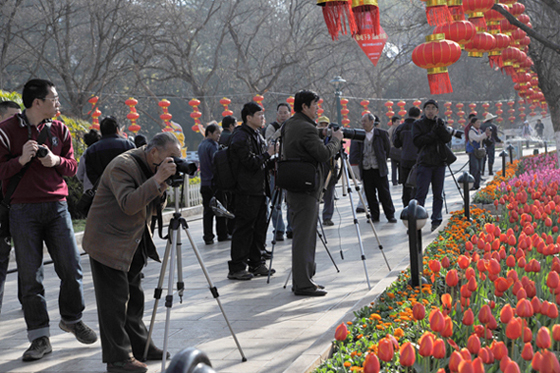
<point x="510" y="261"/>
<point x="492" y="324"/>
<point x="502" y="284"/>
<point x="463" y="262"/>
<point x="485" y="314"/>
<point x="445" y="262"/>
<point x="486" y="355"/>
<point x="385" y="350"/>
<point x="468" y="317"/>
<point x="494" y="266"/>
<point x="556" y="332"/>
<point x="446" y="301"/>
<point x="506" y="314"/>
<point x="407" y="355"/>
<point x="552" y="311"/>
<point x="513" y="329"/>
<point x="521" y="294"/>
<point x="527" y="335"/>
<point x="543" y="338"/>
<point x="447" y="330"/>
<point x="470" y="273"/>
<point x="426" y="344"/>
<point x="512" y="367"/>
<point x="472" y="285"/>
<point x="435" y="265"/>
<point x="473" y="344"/>
<point x="371" y="364"/>
<point x="524" y="308"/>
<point x="439" y="349"/>
<point x="478" y="365"/>
<point x="527" y="353"/>
<point x="465" y="292"/>
<point x="418" y="311"/>
<point x="437" y="322"/>
<point x="536" y="303"/>
<point x="545" y="305"/>
<point x="536" y="362"/>
<point x="454" y="360"/>
<point x="466" y="367"/>
<point x="452" y="279"/>
<point x="549" y="362"/>
<point x="552" y="280"/>
<point x="341" y="332"/>
<point x="500" y="350"/>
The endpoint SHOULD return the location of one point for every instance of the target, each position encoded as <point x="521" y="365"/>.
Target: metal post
<point x="510" y="149"/>
<point x="503" y="154"/>
<point x="415" y="251"/>
<point x="545" y="147"/>
<point x="467" y="198"/>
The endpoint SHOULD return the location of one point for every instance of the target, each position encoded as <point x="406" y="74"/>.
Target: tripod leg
<point x="213" y="289"/>
<point x="174" y="234"/>
<point x="288" y="278"/>
<point x="324" y="241"/>
<point x="322" y="231"/>
<point x="276" y="208"/>
<point x="350" y="172"/>
<point x="157" y="295"/>
<point x="180" y="283"/>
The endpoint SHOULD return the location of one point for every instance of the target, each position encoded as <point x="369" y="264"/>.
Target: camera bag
<point x="223" y="176"/>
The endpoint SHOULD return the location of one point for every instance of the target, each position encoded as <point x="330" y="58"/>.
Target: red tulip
<point x="506" y="314"/>
<point x="437" y="322"/>
<point x="445" y="262"/>
<point x="510" y="261"/>
<point x="447" y="330"/>
<point x="468" y="317"/>
<point x="385" y="350"/>
<point x="341" y="332"/>
<point x="536" y="303"/>
<point x="512" y="367"/>
<point x="484" y="314"/>
<point x="513" y="329"/>
<point x="454" y="360"/>
<point x="549" y="362"/>
<point x="371" y="364"/>
<point x="524" y="308"/>
<point x="463" y="262"/>
<point x="504" y="363"/>
<point x="536" y="362"/>
<point x="472" y="285"/>
<point x="502" y="284"/>
<point x="407" y="355"/>
<point x="439" y="350"/>
<point x="466" y="367"/>
<point x="446" y="301"/>
<point x="500" y="350"/>
<point x="494" y="266"/>
<point x="486" y="355"/>
<point x="478" y="365"/>
<point x="556" y="332"/>
<point x="552" y="311"/>
<point x="426" y="344"/>
<point x="451" y="279"/>
<point x="552" y="280"/>
<point x="543" y="338"/>
<point x="527" y="353"/>
<point x="418" y="311"/>
<point x="435" y="265"/>
<point x="473" y="344"/>
<point x="527" y="335"/>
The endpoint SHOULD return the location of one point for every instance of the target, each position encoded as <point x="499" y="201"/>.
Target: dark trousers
<point x="426" y="175"/>
<point x="249" y="235"/>
<point x="208" y="216"/>
<point x="395" y="171"/>
<point x="475" y="168"/>
<point x="120" y="307"/>
<point x="490" y="150"/>
<point x="408" y="192"/>
<point x="304" y="210"/>
<point x="375" y="184"/>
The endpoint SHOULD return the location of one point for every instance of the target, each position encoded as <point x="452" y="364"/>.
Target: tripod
<point x="173" y="249"/>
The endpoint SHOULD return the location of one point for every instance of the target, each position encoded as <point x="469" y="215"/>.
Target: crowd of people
<point x="128" y="180"/>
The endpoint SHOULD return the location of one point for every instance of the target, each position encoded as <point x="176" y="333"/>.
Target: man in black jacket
<point x="100" y="154"/>
<point x="402" y="138"/>
<point x="430" y="135"/>
<point x="249" y="157"/>
<point x="371" y="157"/>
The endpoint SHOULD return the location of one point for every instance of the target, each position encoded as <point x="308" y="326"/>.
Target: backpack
<point x="223" y="175"/>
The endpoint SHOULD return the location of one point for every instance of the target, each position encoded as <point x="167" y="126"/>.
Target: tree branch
<point x="532" y="33"/>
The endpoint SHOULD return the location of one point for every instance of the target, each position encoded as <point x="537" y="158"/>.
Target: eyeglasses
<point x="54" y="99"/>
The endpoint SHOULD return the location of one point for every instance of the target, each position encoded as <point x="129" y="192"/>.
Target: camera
<point x="458" y="134"/>
<point x="357" y="134"/>
<point x="183" y="167"/>
<point x="42" y="151"/>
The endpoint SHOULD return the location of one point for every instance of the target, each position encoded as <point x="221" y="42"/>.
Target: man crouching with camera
<point x="118" y="240"/>
<point x="301" y="141"/>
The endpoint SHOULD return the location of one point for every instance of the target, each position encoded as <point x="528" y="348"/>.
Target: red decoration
<point x="402" y="112"/>
<point x="194" y="103"/>
<point x="507" y="27"/>
<point x="435" y="55"/>
<point x="225" y="102"/>
<point x="344" y="112"/>
<point x="259" y="99"/>
<point x="166" y="117"/>
<point x="290" y="100"/>
<point x="95" y="122"/>
<point x="456" y="9"/>
<point x="493" y="19"/>
<point x="365" y="104"/>
<point x="460" y="32"/>
<point x="417" y="103"/>
<point x="495" y="55"/>
<point x="372" y="45"/>
<point x="366" y="14"/>
<point x="132" y="115"/>
<point x="320" y="110"/>
<point x="481" y="43"/>
<point x="437" y="12"/>
<point x="475" y="9"/>
<point x="336" y="13"/>
<point x="510" y="55"/>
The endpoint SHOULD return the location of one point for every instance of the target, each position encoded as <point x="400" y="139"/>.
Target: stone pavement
<point x="278" y="331"/>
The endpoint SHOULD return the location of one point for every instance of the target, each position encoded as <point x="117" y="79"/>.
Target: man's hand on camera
<point x="29" y="150"/>
<point x="337" y="134"/>
<point x="272" y="148"/>
<point x="50" y="160"/>
<point x="165" y="170"/>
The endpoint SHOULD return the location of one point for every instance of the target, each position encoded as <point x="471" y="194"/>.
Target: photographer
<point x="430" y="135"/>
<point x="476" y="137"/>
<point x="118" y="240"/>
<point x="301" y="141"/>
<point x="402" y="139"/>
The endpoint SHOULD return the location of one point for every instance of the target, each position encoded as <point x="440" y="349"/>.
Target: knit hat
<point x="323" y="119"/>
<point x="430" y="102"/>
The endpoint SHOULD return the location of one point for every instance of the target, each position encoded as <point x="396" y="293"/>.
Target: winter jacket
<point x="430" y="136"/>
<point x="402" y="138"/>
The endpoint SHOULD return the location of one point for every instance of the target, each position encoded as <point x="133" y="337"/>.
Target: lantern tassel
<point x="438" y="15"/>
<point x="509" y="70"/>
<point x="478" y="22"/>
<point x="335" y="13"/>
<point x="439" y="83"/>
<point x="367" y="19"/>
<point x="457" y="12"/>
<point x="495" y="61"/>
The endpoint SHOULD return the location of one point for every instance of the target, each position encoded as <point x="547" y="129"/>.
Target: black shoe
<point x="128" y="366"/>
<point x="392" y="220"/>
<point x="435" y="226"/>
<point x="222" y="239"/>
<point x="360" y="209"/>
<point x="39" y="348"/>
<point x="314" y="292"/>
<point x="279" y="237"/>
<point x="261" y="270"/>
<point x="490" y="173"/>
<point x="84" y="334"/>
<point x="375" y="220"/>
<point x="328" y="223"/>
<point x="240" y="275"/>
<point x="474" y="188"/>
<point x="154" y="353"/>
<point x="290" y="235"/>
<point x="266" y="254"/>
<point x="208" y="242"/>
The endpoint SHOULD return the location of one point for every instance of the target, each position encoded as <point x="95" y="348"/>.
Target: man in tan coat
<point x="118" y="239"/>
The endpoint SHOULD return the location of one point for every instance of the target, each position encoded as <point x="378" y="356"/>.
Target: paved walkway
<point x="278" y="331"/>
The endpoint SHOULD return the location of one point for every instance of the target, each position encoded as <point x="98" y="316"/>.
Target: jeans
<point x="5" y="249"/>
<point x="31" y="225"/>
<point x="475" y="167"/>
<point x="436" y="176"/>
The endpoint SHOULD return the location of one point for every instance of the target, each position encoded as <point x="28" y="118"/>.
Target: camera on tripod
<point x="183" y="167"/>
<point x="458" y="134"/>
<point x="357" y="134"/>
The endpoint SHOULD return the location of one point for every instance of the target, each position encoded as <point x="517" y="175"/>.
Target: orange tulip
<point x="341" y="332"/>
<point x="454" y="360"/>
<point x="478" y="365"/>
<point x="385" y="350"/>
<point x="439" y="349"/>
<point x="468" y="317"/>
<point x="371" y="364"/>
<point x="418" y="311"/>
<point x="447" y="328"/>
<point x="500" y="350"/>
<point x="463" y="262"/>
<point x="506" y="314"/>
<point x="536" y="362"/>
<point x="513" y="329"/>
<point x="435" y="265"/>
<point x="512" y="367"/>
<point x="466" y="367"/>
<point x="552" y="280"/>
<point x="446" y="301"/>
<point x="549" y="362"/>
<point x="543" y="338"/>
<point x="473" y="344"/>
<point x="451" y="279"/>
<point x="527" y="353"/>
<point x="486" y="355"/>
<point x="524" y="307"/>
<point x="437" y="322"/>
<point x="484" y="314"/>
<point x="426" y="344"/>
<point x="556" y="332"/>
<point x="407" y="355"/>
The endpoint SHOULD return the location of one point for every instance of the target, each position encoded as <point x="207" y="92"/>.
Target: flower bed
<point x="491" y="302"/>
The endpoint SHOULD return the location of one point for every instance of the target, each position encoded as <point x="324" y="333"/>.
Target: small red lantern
<point x="516" y="9"/>
<point x="195" y="114"/>
<point x="132" y="115"/>
<point x="417" y="103"/>
<point x="460" y="32"/>
<point x="365" y="104"/>
<point x="366" y="14"/>
<point x="524" y="18"/>
<point x="495" y="55"/>
<point x="481" y="43"/>
<point x="336" y="13"/>
<point x="493" y="18"/>
<point x="259" y="99"/>
<point x="95" y="122"/>
<point x="166" y="117"/>
<point x="475" y="9"/>
<point x="510" y="56"/>
<point x="320" y="110"/>
<point x="225" y="102"/>
<point x="435" y="55"/>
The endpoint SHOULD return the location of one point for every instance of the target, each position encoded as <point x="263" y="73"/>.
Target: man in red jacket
<point x="41" y="149"/>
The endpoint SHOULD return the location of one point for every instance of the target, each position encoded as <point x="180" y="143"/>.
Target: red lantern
<point x="475" y="9"/>
<point x="290" y="100"/>
<point x="366" y="14"/>
<point x="460" y="32"/>
<point x="481" y="43"/>
<point x="435" y="55"/>
<point x="336" y="13"/>
<point x="472" y="107"/>
<point x="524" y="18"/>
<point x="417" y="103"/>
<point x="225" y="102"/>
<point x="95" y="122"/>
<point x="516" y="9"/>
<point x="493" y="18"/>
<point x="510" y="55"/>
<point x="166" y="117"/>
<point x="93" y="100"/>
<point x="320" y="110"/>
<point x="437" y="12"/>
<point x="495" y="55"/>
<point x="507" y="27"/>
<point x="460" y="106"/>
<point x="133" y="115"/>
<point x="456" y="9"/>
<point x="365" y="104"/>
